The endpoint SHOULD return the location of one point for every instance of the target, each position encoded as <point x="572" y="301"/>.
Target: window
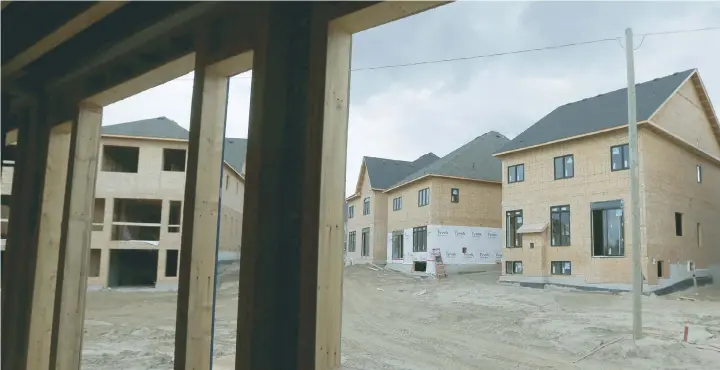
<point x="513" y="267"/>
<point x="351" y="211"/>
<point x="98" y="214"/>
<point x="365" y="247"/>
<point x="351" y="241"/>
<point x="227" y="181"/>
<point x="513" y="221"/>
<point x="174" y="160"/>
<point x="397" y="245"/>
<point x="516" y="173"/>
<point x="423" y="197"/>
<point x="171" y="262"/>
<point x="420" y="239"/>
<point x="659" y="269"/>
<point x="699" y="173"/>
<point x="397" y="204"/>
<point x="560" y="268"/>
<point x="366" y="206"/>
<point x="620" y="157"/>
<point x="560" y="226"/>
<point x="608" y="229"/>
<point x="564" y="167"/>
<point x="175" y="216"/>
<point x="678" y="223"/>
<point x="455" y="195"/>
<point x="95" y="258"/>
<point x="120" y="158"/>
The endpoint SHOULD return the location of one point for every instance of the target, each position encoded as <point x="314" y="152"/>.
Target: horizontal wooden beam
<point x="356" y="17"/>
<point x="68" y="30"/>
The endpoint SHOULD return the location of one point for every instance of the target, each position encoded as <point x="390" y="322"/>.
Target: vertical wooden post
<point x="74" y="248"/>
<point x="289" y="308"/>
<point x="198" y="251"/>
<point x="22" y="244"/>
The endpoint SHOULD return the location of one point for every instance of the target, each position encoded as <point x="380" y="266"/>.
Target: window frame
<point x="562" y="270"/>
<point x="563" y="159"/>
<point x="424" y="197"/>
<point x="454" y="195"/>
<point x="514" y="168"/>
<point x="518" y="237"/>
<point x="699" y="173"/>
<point x="366" y="206"/>
<point x="420" y="237"/>
<point x="560" y="211"/>
<point x="512" y="270"/>
<point x="607" y="206"/>
<point x="678" y="224"/>
<point x="352" y="238"/>
<point x="397" y="203"/>
<point x="365" y="242"/>
<point x="351" y="211"/>
<point x="398" y="239"/>
<point x="623" y="151"/>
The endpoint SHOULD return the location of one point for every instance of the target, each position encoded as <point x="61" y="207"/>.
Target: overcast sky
<point x="402" y="113"/>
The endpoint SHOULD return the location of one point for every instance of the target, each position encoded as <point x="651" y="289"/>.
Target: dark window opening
<point x="133" y="268"/>
<point x="397" y="204"/>
<point x="134" y="232"/>
<point x="351" y="211"/>
<point x="174" y="160"/>
<point x="678" y="224"/>
<point x="366" y="206"/>
<point x="455" y="195"/>
<point x="620" y="157"/>
<point x="513" y="267"/>
<point x="95" y="258"/>
<point x="171" y="262"/>
<point x="699" y="173"/>
<point x="351" y="241"/>
<point x="365" y="246"/>
<point x="397" y="245"/>
<point x="423" y="197"/>
<point x="513" y="222"/>
<point x="564" y="167"/>
<point x="419" y="266"/>
<point x="660" y="269"/>
<point x="120" y="158"/>
<point x="137" y="210"/>
<point x="420" y="239"/>
<point x="561" y="268"/>
<point x="227" y="182"/>
<point x="175" y="216"/>
<point x="98" y="214"/>
<point x="608" y="229"/>
<point x="560" y="226"/>
<point x="516" y="173"/>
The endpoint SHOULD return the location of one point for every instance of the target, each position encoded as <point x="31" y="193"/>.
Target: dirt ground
<point x="394" y="321"/>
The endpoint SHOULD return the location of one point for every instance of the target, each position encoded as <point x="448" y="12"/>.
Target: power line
<point x="523" y="51"/>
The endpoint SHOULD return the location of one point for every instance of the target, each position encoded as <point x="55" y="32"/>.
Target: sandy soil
<point x="393" y="321"/>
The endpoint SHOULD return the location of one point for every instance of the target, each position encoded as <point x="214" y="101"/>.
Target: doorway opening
<point x="133" y="268"/>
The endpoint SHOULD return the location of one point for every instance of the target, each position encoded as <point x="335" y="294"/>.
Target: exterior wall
<point x="376" y="219"/>
<point x="682" y="116"/>
<point x="151" y="182"/>
<point x="593" y="181"/>
<point x="671" y="186"/>
<point x="480" y="203"/>
<point x="411" y="215"/>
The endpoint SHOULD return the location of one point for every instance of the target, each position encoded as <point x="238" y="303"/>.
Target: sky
<point x="402" y="113"/>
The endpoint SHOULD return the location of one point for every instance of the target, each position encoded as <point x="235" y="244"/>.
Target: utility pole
<point x="634" y="187"/>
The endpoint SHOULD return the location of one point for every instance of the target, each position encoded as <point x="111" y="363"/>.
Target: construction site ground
<point x="395" y="321"/>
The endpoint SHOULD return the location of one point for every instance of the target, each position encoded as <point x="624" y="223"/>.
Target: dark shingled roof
<point x="384" y="172"/>
<point x="165" y="128"/>
<point x="473" y="160"/>
<point x="598" y="113"/>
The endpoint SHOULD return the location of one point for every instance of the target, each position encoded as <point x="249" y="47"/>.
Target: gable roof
<point x="385" y="172"/>
<point x="473" y="160"/>
<point x="165" y="128"/>
<point x="598" y="113"/>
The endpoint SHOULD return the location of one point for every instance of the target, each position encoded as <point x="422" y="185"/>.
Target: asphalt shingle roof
<point x="473" y="160"/>
<point x="165" y="128"/>
<point x="385" y="172"/>
<point x="598" y="113"/>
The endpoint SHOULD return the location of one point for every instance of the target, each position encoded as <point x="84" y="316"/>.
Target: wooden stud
<point x="198" y="251"/>
<point x="74" y="261"/>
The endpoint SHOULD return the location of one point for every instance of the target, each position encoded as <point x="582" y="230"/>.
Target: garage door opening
<point x="133" y="268"/>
